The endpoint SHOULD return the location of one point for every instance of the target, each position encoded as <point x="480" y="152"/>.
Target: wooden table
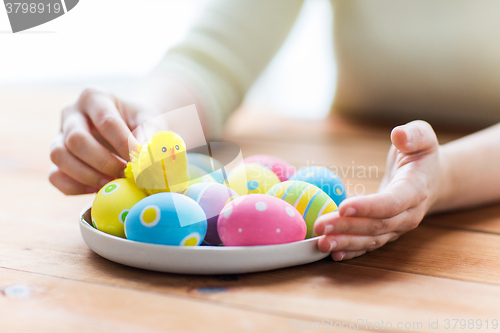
<point x="448" y="268"/>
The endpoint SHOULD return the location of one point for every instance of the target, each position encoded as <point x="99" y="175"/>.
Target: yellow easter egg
<point x="112" y="204"/>
<point x="252" y="178"/>
<point x="308" y="199"/>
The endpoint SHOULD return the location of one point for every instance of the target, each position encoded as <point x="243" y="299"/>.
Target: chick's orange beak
<point x="172" y="153"/>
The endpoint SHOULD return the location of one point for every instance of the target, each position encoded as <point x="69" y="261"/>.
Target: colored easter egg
<point x="259" y="219"/>
<point x="112" y="205"/>
<point x="198" y="175"/>
<point x="252" y="178"/>
<point x="207" y="163"/>
<point x="212" y="197"/>
<point x="325" y="179"/>
<point x="167" y="219"/>
<point x="282" y="169"/>
<point x="309" y="200"/>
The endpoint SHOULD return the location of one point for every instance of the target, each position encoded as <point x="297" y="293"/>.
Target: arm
<point x="223" y="54"/>
<point x="215" y="65"/>
<point x="421" y="177"/>
<point x="471" y="171"/>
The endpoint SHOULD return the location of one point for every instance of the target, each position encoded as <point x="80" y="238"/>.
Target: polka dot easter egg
<point x="259" y="219"/>
<point x="208" y="164"/>
<point x="212" y="197"/>
<point x="282" y="169"/>
<point x="325" y="179"/>
<point x="167" y="219"/>
<point x="308" y="199"/>
<point x="252" y="178"/>
<point x="112" y="204"/>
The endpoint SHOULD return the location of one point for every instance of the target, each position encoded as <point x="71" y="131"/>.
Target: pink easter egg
<point x="282" y="169"/>
<point x="259" y="219"/>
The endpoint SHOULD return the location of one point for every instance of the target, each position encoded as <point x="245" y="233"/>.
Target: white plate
<point x="199" y="259"/>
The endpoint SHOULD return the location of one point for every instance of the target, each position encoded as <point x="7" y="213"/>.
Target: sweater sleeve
<point x="226" y="50"/>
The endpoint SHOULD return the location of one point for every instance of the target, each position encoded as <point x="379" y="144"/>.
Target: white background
<point x="111" y="43"/>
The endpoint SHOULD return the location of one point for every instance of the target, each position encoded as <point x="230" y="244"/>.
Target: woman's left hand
<point x="409" y="188"/>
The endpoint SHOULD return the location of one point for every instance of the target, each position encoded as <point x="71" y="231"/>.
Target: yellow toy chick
<point x="160" y="165"/>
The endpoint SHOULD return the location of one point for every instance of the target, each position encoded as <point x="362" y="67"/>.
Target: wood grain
<point x="449" y="267"/>
<point x="336" y="128"/>
<point x="442" y="252"/>
<point x="485" y="219"/>
<point x="38" y="303"/>
<point x="336" y="291"/>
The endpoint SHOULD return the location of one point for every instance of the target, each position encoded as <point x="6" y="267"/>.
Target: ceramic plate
<point x="199" y="259"/>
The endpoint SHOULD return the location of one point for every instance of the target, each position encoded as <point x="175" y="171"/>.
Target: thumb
<point x="415" y="136"/>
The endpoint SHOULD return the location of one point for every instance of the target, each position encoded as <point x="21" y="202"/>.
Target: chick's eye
<point x="177" y="147"/>
<point x="164" y="149"/>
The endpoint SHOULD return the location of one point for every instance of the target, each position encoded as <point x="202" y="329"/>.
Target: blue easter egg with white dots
<point x="167" y="219"/>
<point x="325" y="179"/>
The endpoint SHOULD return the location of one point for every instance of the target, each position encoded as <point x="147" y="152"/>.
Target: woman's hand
<point x="93" y="145"/>
<point x="409" y="188"/>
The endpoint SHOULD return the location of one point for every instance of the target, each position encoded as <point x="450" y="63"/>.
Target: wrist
<point x="443" y="182"/>
<point x="168" y="92"/>
<point x="163" y="92"/>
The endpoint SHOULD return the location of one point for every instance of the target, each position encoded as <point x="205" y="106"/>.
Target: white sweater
<point x="437" y="60"/>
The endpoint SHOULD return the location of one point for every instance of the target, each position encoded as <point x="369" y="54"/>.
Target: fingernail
<point x="350" y="211"/>
<point x="104" y="181"/>
<point x="333" y="245"/>
<point x="341" y="257"/>
<point x="328" y="229"/>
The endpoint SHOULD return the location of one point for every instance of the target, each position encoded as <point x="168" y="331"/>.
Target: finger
<point x="402" y="193"/>
<point x="102" y="111"/>
<point x="74" y="168"/>
<point x="345" y="255"/>
<point x="333" y="223"/>
<point x="390" y="166"/>
<point x="84" y="146"/>
<point x="68" y="185"/>
<point x="340" y="242"/>
<point x="415" y="136"/>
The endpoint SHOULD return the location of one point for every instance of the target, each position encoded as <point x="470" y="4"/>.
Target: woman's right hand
<point x="93" y="145"/>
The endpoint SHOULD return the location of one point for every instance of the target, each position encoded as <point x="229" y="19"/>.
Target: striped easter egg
<point x="308" y="199"/>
